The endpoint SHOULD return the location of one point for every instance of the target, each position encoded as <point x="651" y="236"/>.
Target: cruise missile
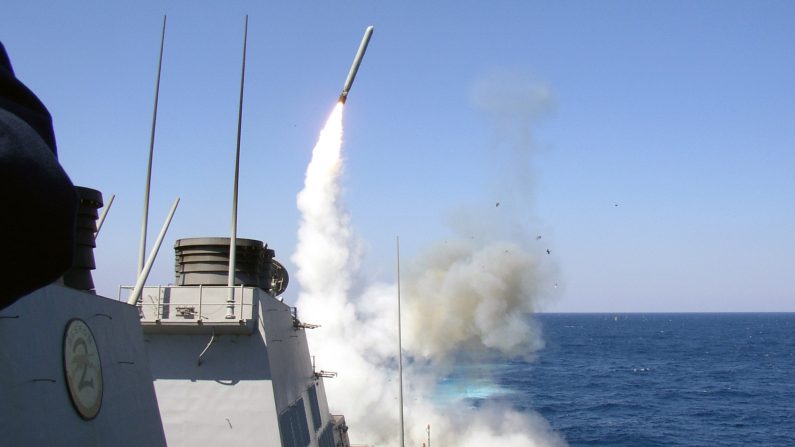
<point x="356" y="62"/>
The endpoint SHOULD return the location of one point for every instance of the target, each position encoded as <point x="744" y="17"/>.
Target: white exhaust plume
<point x="460" y="297"/>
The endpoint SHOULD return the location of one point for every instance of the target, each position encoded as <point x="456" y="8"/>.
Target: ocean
<point x="652" y="379"/>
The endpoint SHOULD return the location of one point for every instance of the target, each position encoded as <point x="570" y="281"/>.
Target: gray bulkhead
<point x="36" y="409"/>
<point x="246" y="380"/>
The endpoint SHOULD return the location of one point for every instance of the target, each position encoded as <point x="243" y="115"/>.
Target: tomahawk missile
<point x="356" y="62"/>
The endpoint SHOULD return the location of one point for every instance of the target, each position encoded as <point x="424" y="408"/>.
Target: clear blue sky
<point x="681" y="113"/>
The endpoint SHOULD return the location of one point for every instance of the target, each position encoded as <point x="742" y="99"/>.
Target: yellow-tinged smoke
<point x="467" y="297"/>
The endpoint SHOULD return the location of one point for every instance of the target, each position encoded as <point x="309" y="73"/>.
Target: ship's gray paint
<point x="35" y="408"/>
<point x="244" y="381"/>
<point x="197" y="309"/>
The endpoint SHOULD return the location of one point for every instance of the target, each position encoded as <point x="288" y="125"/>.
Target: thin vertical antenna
<point x="139" y="283"/>
<point x="104" y="214"/>
<point x="400" y="346"/>
<point x="144" y="220"/>
<point x="230" y="303"/>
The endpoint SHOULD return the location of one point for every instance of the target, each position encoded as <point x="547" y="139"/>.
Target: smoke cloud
<point x="465" y="295"/>
<point x="514" y="102"/>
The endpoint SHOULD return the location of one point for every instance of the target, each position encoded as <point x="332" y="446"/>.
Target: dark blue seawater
<point x="654" y="379"/>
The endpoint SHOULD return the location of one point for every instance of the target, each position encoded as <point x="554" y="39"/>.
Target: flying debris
<point x="356" y="62"/>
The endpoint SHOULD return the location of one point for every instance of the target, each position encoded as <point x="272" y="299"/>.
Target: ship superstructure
<point x="74" y="369"/>
<point x="232" y="364"/>
<point x="194" y="363"/>
<point x="215" y="359"/>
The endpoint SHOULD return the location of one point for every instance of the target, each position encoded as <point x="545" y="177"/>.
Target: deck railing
<point x="193" y="303"/>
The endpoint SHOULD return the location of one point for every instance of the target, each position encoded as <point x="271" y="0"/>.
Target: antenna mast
<point x="142" y="250"/>
<point x="103" y="215"/>
<point x="230" y="303"/>
<point x="400" y="347"/>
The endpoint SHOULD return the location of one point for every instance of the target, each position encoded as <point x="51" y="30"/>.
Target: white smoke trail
<point x="460" y="297"/>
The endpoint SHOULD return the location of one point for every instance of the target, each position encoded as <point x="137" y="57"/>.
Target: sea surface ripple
<point x="657" y="379"/>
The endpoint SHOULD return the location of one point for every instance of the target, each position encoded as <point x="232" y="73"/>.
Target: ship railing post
<point x="200" y="303"/>
<point x="242" y="297"/>
<point x="159" y="308"/>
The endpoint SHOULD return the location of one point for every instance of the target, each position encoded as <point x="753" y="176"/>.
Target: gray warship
<point x="216" y="358"/>
<point x="184" y="366"/>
